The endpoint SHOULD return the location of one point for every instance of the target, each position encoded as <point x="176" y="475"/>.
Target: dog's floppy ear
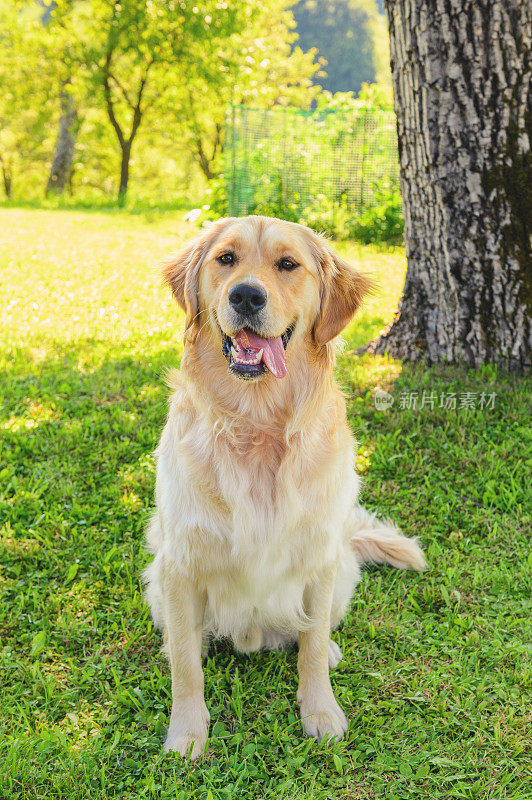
<point x="181" y="272"/>
<point x="342" y="290"/>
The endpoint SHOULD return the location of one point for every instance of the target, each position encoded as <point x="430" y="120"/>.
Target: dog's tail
<point x="381" y="542"/>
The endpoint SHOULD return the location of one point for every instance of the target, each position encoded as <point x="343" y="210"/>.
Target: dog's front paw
<point x="192" y="744"/>
<point x="188" y="730"/>
<point x="323" y="717"/>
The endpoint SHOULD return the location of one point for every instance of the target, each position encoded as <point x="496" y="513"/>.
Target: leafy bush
<point x="382" y="222"/>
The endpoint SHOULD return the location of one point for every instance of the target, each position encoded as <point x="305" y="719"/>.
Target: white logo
<point x="383" y="400"/>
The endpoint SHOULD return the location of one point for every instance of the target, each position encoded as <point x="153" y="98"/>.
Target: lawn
<point x="434" y="678"/>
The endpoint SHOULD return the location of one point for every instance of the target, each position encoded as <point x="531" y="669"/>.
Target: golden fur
<point x="257" y="534"/>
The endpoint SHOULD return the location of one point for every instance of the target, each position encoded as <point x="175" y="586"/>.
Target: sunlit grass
<point x="434" y="677"/>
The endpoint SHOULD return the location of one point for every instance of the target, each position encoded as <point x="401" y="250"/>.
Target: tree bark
<point x="7" y="176"/>
<point x="124" y="171"/>
<point x="61" y="169"/>
<point x="461" y="72"/>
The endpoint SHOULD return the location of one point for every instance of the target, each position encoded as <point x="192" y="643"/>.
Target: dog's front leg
<point x="320" y="713"/>
<point x="184" y="608"/>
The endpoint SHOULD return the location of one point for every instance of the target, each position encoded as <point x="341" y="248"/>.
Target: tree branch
<point x="123" y="91"/>
<point x="217" y="140"/>
<point x="109" y="99"/>
<point x="137" y="112"/>
<point x="202" y="158"/>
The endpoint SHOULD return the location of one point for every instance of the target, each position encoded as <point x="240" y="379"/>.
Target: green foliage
<point x="28" y="81"/>
<point x="382" y="222"/>
<point x="150" y="82"/>
<point x="434" y="676"/>
<point x="351" y="39"/>
<point x="140" y="54"/>
<point x="261" y="68"/>
<point x="335" y="169"/>
<point x="217" y="198"/>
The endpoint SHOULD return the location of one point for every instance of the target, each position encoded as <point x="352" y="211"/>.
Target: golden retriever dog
<point x="257" y="534"/>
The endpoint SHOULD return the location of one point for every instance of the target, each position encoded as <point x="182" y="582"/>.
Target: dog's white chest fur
<point x="251" y="518"/>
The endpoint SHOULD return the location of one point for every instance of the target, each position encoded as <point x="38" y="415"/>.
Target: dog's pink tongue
<point x="273" y="355"/>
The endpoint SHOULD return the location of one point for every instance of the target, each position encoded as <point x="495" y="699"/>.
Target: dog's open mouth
<point x="251" y="355"/>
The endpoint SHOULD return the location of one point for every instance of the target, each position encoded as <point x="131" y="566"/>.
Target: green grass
<point x="434" y="678"/>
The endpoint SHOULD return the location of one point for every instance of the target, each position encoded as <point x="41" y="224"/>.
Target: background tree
<point x="173" y="60"/>
<point x="69" y="121"/>
<point x="258" y="66"/>
<point x="344" y="33"/>
<point x="129" y="53"/>
<point x="140" y="42"/>
<point x="61" y="169"/>
<point x="461" y="74"/>
<point x="28" y="78"/>
<point x="151" y="83"/>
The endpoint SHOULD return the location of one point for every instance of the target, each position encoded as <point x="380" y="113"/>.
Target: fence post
<point x="233" y="162"/>
<point x="365" y="111"/>
<point x="283" y="173"/>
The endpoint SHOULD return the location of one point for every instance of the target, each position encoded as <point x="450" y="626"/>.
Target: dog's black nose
<point x="247" y="298"/>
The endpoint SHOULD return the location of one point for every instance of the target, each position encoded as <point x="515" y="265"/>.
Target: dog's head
<point x="262" y="285"/>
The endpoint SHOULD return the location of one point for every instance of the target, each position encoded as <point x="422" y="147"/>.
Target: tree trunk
<point x="124" y="172"/>
<point x="461" y="72"/>
<point x="125" y="144"/>
<point x="6" y="176"/>
<point x="66" y="139"/>
<point x="204" y="164"/>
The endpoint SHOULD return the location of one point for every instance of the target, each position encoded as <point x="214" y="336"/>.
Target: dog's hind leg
<point x="334" y="654"/>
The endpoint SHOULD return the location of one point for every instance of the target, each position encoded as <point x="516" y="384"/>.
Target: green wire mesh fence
<point x="319" y="167"/>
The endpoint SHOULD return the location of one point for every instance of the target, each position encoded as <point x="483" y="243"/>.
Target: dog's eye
<point x="287" y="264"/>
<point x="226" y="258"/>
